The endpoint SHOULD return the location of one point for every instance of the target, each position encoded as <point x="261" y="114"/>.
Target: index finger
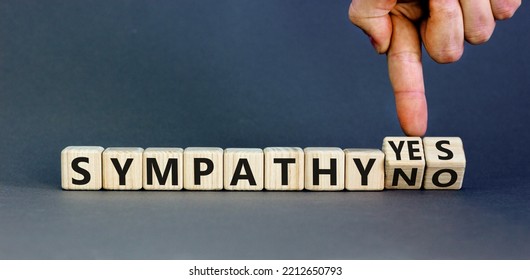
<point x="406" y="75"/>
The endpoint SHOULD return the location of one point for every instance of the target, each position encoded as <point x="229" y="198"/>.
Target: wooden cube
<point x="365" y="169"/>
<point x="445" y="163"/>
<point x="163" y="168"/>
<point x="404" y="162"/>
<point x="203" y="168"/>
<point x="324" y="169"/>
<point x="81" y="168"/>
<point x="122" y="168"/>
<point x="284" y="169"/>
<point x="243" y="169"/>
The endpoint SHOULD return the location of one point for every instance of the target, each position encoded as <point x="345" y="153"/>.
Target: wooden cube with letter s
<point x="446" y="163"/>
<point x="81" y="168"/>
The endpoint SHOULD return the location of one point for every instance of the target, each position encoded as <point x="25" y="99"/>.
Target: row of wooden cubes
<point x="403" y="163"/>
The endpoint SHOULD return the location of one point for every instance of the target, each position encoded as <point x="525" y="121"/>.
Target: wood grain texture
<point x="328" y="175"/>
<point x="125" y="160"/>
<point x="89" y="159"/>
<point x="245" y="164"/>
<point x="445" y="163"/>
<point x="404" y="162"/>
<point x="203" y="157"/>
<point x="289" y="161"/>
<point x="365" y="170"/>
<point x="169" y="167"/>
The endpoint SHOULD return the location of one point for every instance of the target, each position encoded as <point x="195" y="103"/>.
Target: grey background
<point x="247" y="74"/>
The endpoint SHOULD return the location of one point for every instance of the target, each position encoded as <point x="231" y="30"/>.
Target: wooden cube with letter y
<point x="243" y="169"/>
<point x="404" y="162"/>
<point x="445" y="161"/>
<point x="365" y="170"/>
<point x="81" y="168"/>
<point x="122" y="168"/>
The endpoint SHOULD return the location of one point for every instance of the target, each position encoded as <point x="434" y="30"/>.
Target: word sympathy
<point x="403" y="163"/>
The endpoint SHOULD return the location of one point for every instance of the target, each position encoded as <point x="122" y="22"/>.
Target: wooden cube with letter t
<point x="122" y="168"/>
<point x="404" y="162"/>
<point x="163" y="169"/>
<point x="203" y="169"/>
<point x="284" y="169"/>
<point x="243" y="169"/>
<point x="81" y="168"/>
<point x="324" y="169"/>
<point x="446" y="163"/>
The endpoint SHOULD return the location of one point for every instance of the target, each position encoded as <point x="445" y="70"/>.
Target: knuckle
<point x="405" y="56"/>
<point x="445" y="8"/>
<point x="477" y="38"/>
<point x="447" y="55"/>
<point x="506" y="9"/>
<point x="353" y="15"/>
<point x="479" y="35"/>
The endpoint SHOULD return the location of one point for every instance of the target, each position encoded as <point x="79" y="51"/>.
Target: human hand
<point x="398" y="28"/>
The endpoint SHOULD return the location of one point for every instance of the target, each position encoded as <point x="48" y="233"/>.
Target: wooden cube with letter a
<point x="163" y="169"/>
<point x="445" y="163"/>
<point x="122" y="168"/>
<point x="81" y="168"/>
<point x="243" y="169"/>
<point x="324" y="169"/>
<point x="404" y="162"/>
<point x="203" y="169"/>
<point x="365" y="170"/>
<point x="284" y="169"/>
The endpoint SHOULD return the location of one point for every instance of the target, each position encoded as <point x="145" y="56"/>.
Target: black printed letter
<point x="121" y="171"/>
<point x="332" y="171"/>
<point x="152" y="165"/>
<point x="364" y="171"/>
<point x="80" y="170"/>
<point x="243" y="163"/>
<point x="284" y="162"/>
<point x="197" y="168"/>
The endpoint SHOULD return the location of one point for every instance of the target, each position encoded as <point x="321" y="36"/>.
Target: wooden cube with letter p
<point x="324" y="169"/>
<point x="122" y="168"/>
<point x="203" y="169"/>
<point x="163" y="169"/>
<point x="81" y="168"/>
<point x="404" y="162"/>
<point x="243" y="169"/>
<point x="445" y="161"/>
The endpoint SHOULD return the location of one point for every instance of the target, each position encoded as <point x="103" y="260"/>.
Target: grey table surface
<point x="247" y="74"/>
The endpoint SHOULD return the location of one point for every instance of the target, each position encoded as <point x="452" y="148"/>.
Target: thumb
<point x="406" y="76"/>
<point x="372" y="16"/>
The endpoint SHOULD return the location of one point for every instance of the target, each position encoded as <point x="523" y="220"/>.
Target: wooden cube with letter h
<point x="324" y="169"/>
<point x="446" y="163"/>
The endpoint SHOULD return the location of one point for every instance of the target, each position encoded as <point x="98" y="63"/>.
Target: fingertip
<point x="418" y="130"/>
<point x="412" y="113"/>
